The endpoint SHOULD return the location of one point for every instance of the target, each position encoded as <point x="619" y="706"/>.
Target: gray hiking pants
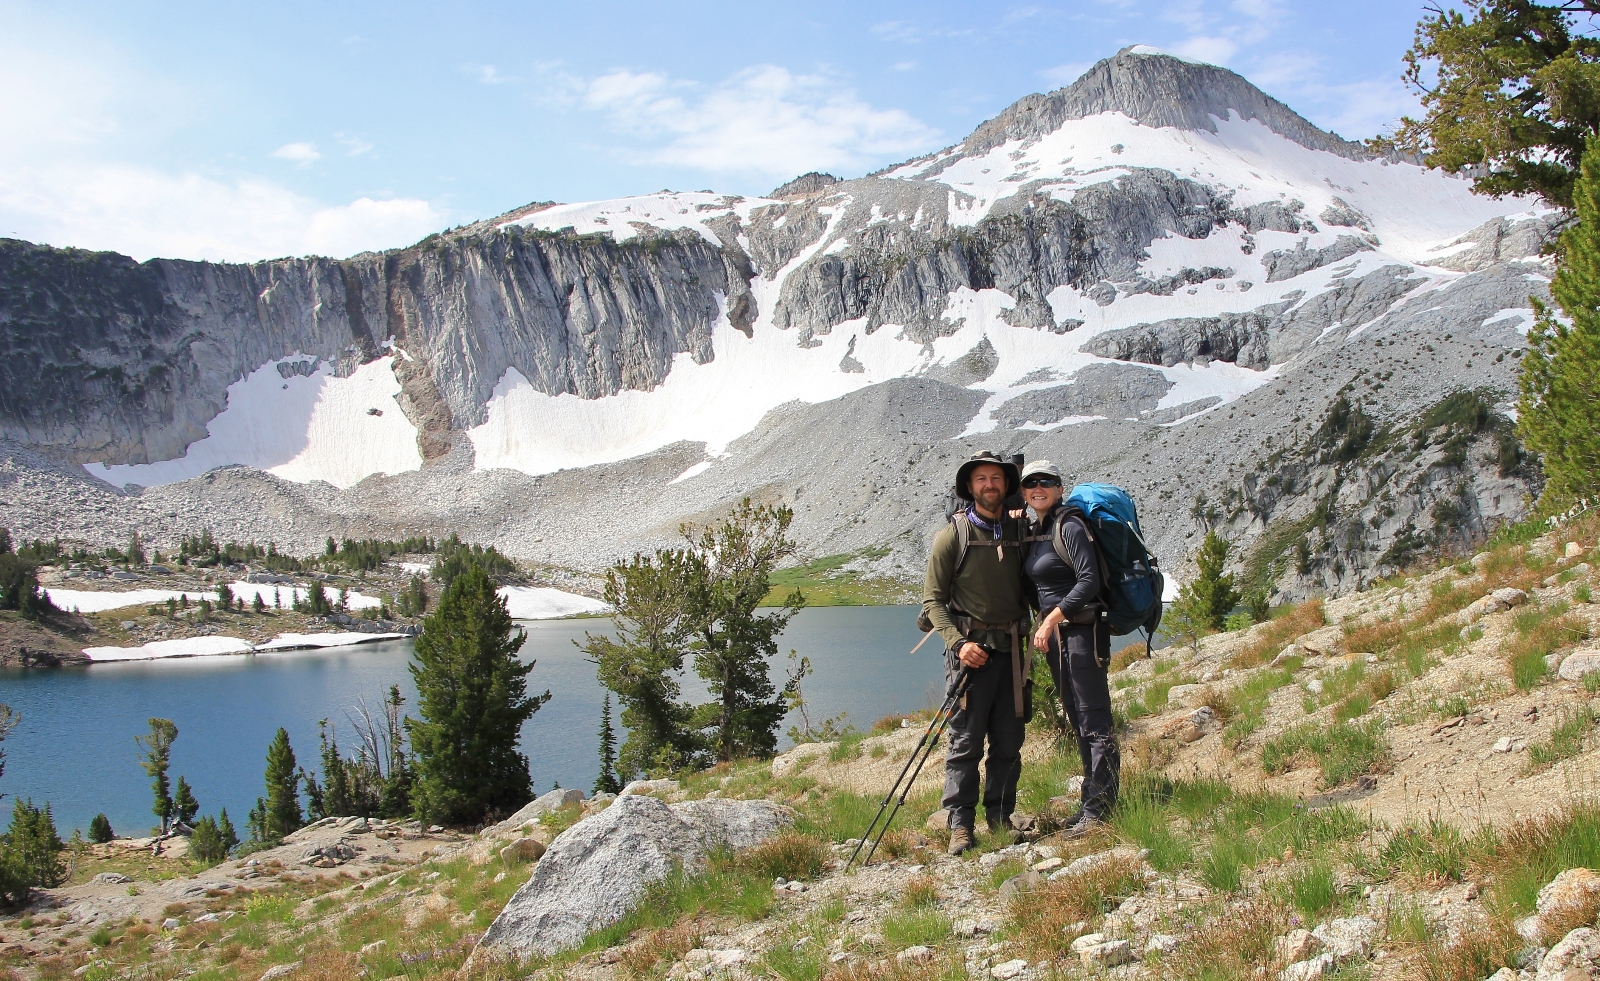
<point x="989" y="714"/>
<point x="1086" y="696"/>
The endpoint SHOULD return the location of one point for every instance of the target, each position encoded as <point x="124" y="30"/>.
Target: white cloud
<point x="354" y="146"/>
<point x="301" y="153"/>
<point x="486" y="74"/>
<point x="761" y="120"/>
<point x="1066" y="74"/>
<point x="903" y="66"/>
<point x="145" y="213"/>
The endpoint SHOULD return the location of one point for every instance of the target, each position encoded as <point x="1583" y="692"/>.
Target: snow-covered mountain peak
<point x="1154" y="89"/>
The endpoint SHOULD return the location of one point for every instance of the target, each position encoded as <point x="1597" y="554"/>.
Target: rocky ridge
<point x="1037" y="288"/>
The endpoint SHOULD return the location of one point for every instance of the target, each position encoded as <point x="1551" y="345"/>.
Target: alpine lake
<point x="75" y="745"/>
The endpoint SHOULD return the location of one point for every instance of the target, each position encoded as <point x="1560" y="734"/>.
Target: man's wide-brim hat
<point x="979" y="459"/>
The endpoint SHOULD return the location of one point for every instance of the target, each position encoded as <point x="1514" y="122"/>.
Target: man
<point x="974" y="596"/>
<point x="1064" y="570"/>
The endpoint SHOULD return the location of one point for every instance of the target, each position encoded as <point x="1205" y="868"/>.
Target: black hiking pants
<point x="987" y="714"/>
<point x="1086" y="697"/>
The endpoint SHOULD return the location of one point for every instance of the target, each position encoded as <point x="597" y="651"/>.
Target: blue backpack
<point x="1131" y="577"/>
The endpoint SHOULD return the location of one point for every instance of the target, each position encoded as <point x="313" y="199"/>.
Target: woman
<point x="1064" y="570"/>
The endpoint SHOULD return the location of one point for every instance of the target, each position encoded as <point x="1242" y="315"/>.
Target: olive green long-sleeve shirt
<point x="989" y="588"/>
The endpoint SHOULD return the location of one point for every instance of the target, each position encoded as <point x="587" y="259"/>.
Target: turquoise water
<point x="75" y="745"/>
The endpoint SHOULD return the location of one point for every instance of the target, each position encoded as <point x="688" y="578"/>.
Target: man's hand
<point x="972" y="655"/>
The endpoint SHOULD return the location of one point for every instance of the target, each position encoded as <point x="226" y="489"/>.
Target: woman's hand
<point x="1019" y="512"/>
<point x="1047" y="628"/>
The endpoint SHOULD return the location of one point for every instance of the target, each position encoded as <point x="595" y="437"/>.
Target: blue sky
<point x="247" y="131"/>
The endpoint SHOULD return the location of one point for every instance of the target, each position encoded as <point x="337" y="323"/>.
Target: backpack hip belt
<point x="967" y="625"/>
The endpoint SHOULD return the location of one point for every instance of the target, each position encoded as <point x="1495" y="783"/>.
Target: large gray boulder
<point x="597" y="871"/>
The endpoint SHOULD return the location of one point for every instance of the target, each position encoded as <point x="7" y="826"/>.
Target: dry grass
<point x="1477" y="953"/>
<point x="1041" y="919"/>
<point x="791" y="855"/>
<point x="640" y="958"/>
<point x="1231" y="946"/>
<point x="1270" y="638"/>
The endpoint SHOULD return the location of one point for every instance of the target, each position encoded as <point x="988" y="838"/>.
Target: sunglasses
<point x="1033" y="482"/>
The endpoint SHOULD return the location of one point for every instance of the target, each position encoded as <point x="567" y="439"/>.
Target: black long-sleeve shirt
<point x="1071" y="588"/>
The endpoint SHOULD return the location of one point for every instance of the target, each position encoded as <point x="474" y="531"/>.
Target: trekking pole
<point x="923" y="749"/>
<point x="924" y="640"/>
<point x="905" y="791"/>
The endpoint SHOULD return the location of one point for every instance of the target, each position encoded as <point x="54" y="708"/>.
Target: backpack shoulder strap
<point x="963" y="540"/>
<point x="1058" y="539"/>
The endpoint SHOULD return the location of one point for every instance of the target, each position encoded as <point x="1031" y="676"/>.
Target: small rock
<point x="434" y="829"/>
<point x="1020" y="884"/>
<point x="989" y="860"/>
<point x="1572" y="551"/>
<point x="499" y="877"/>
<point x="112" y="879"/>
<point x="1183" y="696"/>
<point x="1574" y="666"/>
<point x="1576" y="954"/>
<point x="914" y="955"/>
<point x="1048" y="865"/>
<point x="1314" y="686"/>
<point x="280" y="970"/>
<point x="1573" y="887"/>
<point x="1088" y="940"/>
<point x="1316" y="967"/>
<point x="796" y="887"/>
<point x="1111" y="953"/>
<point x="1009" y="969"/>
<point x="1502" y="745"/>
<point x="649" y="787"/>
<point x="1161" y="943"/>
<point x="522" y="850"/>
<point x="987" y="925"/>
<point x="1075" y="785"/>
<point x="372" y="948"/>
<point x="1509" y="597"/>
<point x="964" y="928"/>
<point x="170" y="924"/>
<point x="1504" y="974"/>
<point x="1349" y="939"/>
<point x="938" y="819"/>
<point x="1294" y="946"/>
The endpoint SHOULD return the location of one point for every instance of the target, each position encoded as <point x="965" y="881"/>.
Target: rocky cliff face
<point x="114" y="361"/>
<point x="1158" y="275"/>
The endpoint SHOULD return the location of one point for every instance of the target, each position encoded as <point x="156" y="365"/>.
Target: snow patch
<point x="98" y="601"/>
<point x="185" y="647"/>
<point x="545" y="603"/>
<point x="692" y="472"/>
<point x="343" y="638"/>
<point x="301" y="427"/>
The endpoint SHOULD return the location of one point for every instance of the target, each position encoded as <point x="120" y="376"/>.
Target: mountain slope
<point x="1133" y="275"/>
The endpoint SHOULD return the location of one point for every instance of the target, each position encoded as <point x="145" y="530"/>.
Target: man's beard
<point x="990" y="500"/>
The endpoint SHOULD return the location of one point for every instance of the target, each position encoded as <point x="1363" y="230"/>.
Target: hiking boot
<point x="1086" y="825"/>
<point x="961" y="840"/>
<point x="1001" y="827"/>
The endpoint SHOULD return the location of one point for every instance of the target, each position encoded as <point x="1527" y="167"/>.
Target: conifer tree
<point x="607" y="783"/>
<point x="281" y="813"/>
<point x="336" y="789"/>
<point x="184" y="806"/>
<point x="1214" y="589"/>
<point x="135" y="550"/>
<point x="157" y="757"/>
<point x="230" y="837"/>
<point x="100" y="830"/>
<point x="734" y="646"/>
<point x="642" y="657"/>
<point x="1559" y="411"/>
<point x="205" y="844"/>
<point x="6" y="547"/>
<point x="472" y="695"/>
<point x="257" y="605"/>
